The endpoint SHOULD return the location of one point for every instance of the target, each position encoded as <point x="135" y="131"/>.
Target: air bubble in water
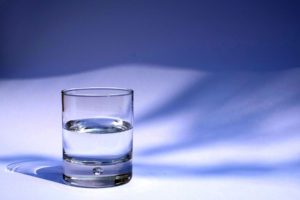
<point x="97" y="171"/>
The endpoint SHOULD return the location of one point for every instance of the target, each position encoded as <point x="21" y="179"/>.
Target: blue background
<point x="45" y="38"/>
<point x="217" y="96"/>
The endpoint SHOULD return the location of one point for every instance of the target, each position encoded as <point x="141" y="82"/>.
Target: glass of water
<point x="97" y="136"/>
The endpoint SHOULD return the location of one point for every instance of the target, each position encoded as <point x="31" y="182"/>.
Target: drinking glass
<point x="97" y="136"/>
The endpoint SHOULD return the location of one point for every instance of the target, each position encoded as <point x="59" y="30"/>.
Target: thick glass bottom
<point x="84" y="172"/>
<point x="98" y="182"/>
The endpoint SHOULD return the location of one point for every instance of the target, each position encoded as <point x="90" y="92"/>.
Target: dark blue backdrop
<point x="49" y="37"/>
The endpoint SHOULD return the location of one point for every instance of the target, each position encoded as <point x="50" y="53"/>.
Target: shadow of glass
<point x="37" y="166"/>
<point x="51" y="173"/>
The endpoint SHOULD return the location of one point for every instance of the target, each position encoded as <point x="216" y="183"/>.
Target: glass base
<point x="98" y="182"/>
<point x="83" y="173"/>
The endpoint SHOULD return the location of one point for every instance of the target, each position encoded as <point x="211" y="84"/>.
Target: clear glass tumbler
<point x="97" y="136"/>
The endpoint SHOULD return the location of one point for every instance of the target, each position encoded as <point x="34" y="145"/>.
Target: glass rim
<point x="126" y="91"/>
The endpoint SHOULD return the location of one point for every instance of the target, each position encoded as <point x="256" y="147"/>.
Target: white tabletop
<point x="197" y="135"/>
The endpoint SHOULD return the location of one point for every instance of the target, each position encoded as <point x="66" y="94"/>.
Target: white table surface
<point x="198" y="134"/>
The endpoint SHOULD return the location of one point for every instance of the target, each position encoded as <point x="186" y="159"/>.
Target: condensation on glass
<point x="97" y="126"/>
